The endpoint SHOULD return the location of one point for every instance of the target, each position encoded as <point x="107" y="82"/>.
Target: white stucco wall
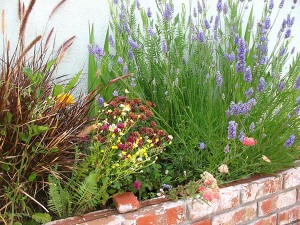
<point x="74" y="17"/>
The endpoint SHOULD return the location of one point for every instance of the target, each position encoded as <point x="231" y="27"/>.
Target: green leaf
<point x="71" y="84"/>
<point x="58" y="89"/>
<point x="5" y="167"/>
<point x="50" y="64"/>
<point x="32" y="177"/>
<point x="9" y="117"/>
<point x="41" y="217"/>
<point x="42" y="128"/>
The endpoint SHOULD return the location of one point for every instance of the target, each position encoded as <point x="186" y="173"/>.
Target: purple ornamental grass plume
<point x="290" y="141"/>
<point x="232" y="128"/>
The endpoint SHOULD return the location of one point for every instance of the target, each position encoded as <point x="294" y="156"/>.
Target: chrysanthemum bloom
<point x="65" y="99"/>
<point x="248" y="141"/>
<point x="223" y="168"/>
<point x="210" y="194"/>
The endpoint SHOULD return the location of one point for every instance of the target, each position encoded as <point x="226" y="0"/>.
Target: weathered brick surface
<point x="202" y="222"/>
<point x="236" y="216"/>
<point x="147" y="219"/>
<point x="175" y="215"/>
<point x="291" y="178"/>
<point x="111" y="220"/>
<point x="277" y="202"/>
<point x="261" y="188"/>
<point x="229" y="197"/>
<point x="271" y="220"/>
<point x="290" y="215"/>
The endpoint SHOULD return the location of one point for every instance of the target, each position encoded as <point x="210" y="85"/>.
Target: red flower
<point x="137" y="185"/>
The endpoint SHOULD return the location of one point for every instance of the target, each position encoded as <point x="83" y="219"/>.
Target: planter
<point x="259" y="200"/>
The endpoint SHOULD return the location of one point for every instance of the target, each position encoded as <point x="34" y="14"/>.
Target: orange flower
<point x="248" y="141"/>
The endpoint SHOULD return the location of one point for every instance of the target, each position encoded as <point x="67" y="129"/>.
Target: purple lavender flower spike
<point x="138" y="4"/>
<point x="282" y="52"/>
<point x="288" y="33"/>
<point x="249" y="92"/>
<point x="241" y="56"/>
<point x="149" y="13"/>
<point x="293" y="50"/>
<point x="199" y="7"/>
<point x="219" y="6"/>
<point x="297" y="84"/>
<point x="115" y="93"/>
<point x="207" y="25"/>
<point x="100" y="101"/>
<point x="271" y="5"/>
<point x="225" y="8"/>
<point x="168" y="13"/>
<point x="252" y="127"/>
<point x="125" y="69"/>
<point x="247" y="75"/>
<point x="120" y="60"/>
<point x="241" y="136"/>
<point x="130" y="54"/>
<point x="164" y="46"/>
<point x="151" y="32"/>
<point x="96" y="51"/>
<point x="267" y="23"/>
<point x="115" y="1"/>
<point x="290" y="141"/>
<point x="111" y="41"/>
<point x="133" y="44"/>
<point x="298" y="100"/>
<point x="297" y="111"/>
<point x="261" y="85"/>
<point x="201" y="37"/>
<point x="232" y="127"/>
<point x="281" y="4"/>
<point x="219" y="79"/>
<point x="195" y="12"/>
<point x="281" y="86"/>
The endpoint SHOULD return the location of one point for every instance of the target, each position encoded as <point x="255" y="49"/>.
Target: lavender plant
<point x="217" y="82"/>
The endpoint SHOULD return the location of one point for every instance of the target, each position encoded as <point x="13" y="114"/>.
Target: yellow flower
<point x="114" y="147"/>
<point x="126" y="91"/>
<point x="65" y="99"/>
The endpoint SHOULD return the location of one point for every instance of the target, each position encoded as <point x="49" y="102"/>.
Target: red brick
<point x="290" y="215"/>
<point x="147" y="220"/>
<point x="237" y="216"/>
<point x="175" y="215"/>
<point x="261" y="188"/>
<point x="277" y="202"/>
<point x="202" y="222"/>
<point x="126" y="202"/>
<point x="229" y="197"/>
<point x="112" y="220"/>
<point x="291" y="178"/>
<point x="271" y="220"/>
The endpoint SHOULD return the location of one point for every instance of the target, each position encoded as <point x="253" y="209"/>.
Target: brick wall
<point x="260" y="201"/>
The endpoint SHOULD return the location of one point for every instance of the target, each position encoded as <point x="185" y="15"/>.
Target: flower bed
<point x="257" y="200"/>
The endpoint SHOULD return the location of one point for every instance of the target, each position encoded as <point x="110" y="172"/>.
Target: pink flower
<point x="210" y="194"/>
<point x="137" y="185"/>
<point x="248" y="141"/>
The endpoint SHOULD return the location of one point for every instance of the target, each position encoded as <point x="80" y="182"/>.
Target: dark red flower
<point x="137" y="185"/>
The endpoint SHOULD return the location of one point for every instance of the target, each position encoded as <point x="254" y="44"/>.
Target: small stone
<point x="126" y="202"/>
